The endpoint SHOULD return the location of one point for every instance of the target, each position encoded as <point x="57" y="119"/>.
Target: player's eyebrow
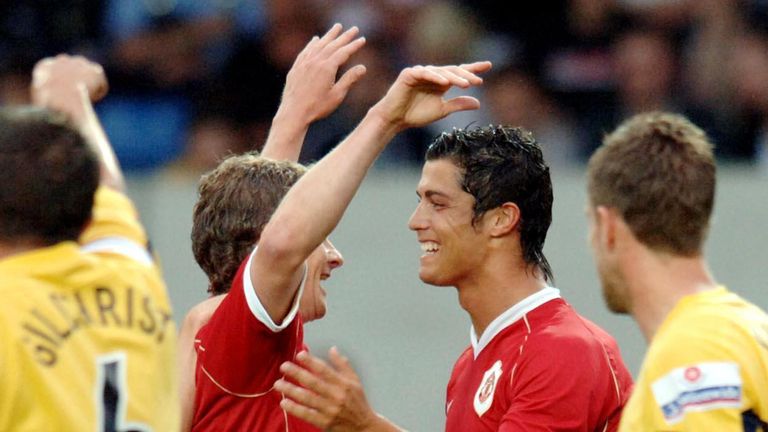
<point x="432" y="193"/>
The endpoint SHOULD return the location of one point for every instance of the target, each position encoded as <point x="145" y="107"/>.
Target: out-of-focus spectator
<point x="577" y="61"/>
<point x="515" y="98"/>
<point x="31" y="30"/>
<point x="749" y="72"/>
<point x="158" y="55"/>
<point x="723" y="65"/>
<point x="446" y="33"/>
<point x="196" y="80"/>
<point x="235" y="110"/>
<point x="645" y="71"/>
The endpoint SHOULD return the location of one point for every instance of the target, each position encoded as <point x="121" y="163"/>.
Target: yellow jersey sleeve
<point x="114" y="216"/>
<point x="704" y="372"/>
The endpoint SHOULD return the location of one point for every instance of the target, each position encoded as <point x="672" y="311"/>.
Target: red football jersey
<point x="538" y="367"/>
<point x="239" y="353"/>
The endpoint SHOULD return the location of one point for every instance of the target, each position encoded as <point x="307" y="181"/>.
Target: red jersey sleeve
<point x="240" y="349"/>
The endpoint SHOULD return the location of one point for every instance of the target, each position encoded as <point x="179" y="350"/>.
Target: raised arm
<point x="311" y="90"/>
<point x="314" y="206"/>
<point x="70" y="84"/>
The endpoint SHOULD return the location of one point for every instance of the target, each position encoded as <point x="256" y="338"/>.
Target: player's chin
<point x="317" y="312"/>
<point x="431" y="279"/>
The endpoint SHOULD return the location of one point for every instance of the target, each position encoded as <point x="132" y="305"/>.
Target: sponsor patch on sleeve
<point x="698" y="387"/>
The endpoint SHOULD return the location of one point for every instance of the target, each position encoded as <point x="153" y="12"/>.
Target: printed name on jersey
<point x="484" y="395"/>
<point x="46" y="332"/>
<point x="698" y="387"/>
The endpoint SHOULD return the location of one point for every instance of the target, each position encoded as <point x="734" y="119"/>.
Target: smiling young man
<point x="651" y="195"/>
<point x="533" y="364"/>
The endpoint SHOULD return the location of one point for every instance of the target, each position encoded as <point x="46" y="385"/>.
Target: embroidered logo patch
<point x="698" y="387"/>
<point x="484" y="394"/>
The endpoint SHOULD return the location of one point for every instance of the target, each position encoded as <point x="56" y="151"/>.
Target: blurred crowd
<point x="193" y="80"/>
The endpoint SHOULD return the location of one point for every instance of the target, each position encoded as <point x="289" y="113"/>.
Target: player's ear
<point x="504" y="219"/>
<point x="606" y="220"/>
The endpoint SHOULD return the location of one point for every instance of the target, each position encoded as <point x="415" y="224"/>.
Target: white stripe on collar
<point x="254" y="303"/>
<point x="510" y="316"/>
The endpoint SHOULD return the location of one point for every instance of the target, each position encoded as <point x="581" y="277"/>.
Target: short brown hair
<point x="235" y="201"/>
<point x="48" y="177"/>
<point x="658" y="171"/>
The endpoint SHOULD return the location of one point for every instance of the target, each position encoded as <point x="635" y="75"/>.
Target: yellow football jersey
<point x="706" y="369"/>
<point x="87" y="342"/>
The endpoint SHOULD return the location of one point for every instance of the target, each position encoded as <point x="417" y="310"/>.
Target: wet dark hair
<point x="504" y="164"/>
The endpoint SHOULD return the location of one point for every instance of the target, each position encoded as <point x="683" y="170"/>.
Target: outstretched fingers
<point x="341" y="363"/>
<point x="343" y="39"/>
<point x="307" y="378"/>
<point x="309" y="415"/>
<point x="349" y="79"/>
<point x="331" y="34"/>
<point x="477" y="67"/>
<point x="318" y="367"/>
<point x="445" y="76"/>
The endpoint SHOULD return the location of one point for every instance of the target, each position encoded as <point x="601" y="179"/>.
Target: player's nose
<point x="333" y="256"/>
<point x="417" y="221"/>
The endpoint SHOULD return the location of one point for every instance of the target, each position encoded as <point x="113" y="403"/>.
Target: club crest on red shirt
<point x="484" y="395"/>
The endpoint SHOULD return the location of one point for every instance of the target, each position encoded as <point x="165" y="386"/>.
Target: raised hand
<point x="416" y="97"/>
<point x="330" y="396"/>
<point x="70" y="84"/>
<point x="311" y="89"/>
<point x="62" y="82"/>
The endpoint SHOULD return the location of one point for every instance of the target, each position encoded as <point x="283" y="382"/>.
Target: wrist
<point x="290" y="119"/>
<point x="379" y="423"/>
<point x="377" y="116"/>
<point x="68" y="100"/>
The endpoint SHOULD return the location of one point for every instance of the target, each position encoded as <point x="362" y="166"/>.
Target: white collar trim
<point x="510" y="316"/>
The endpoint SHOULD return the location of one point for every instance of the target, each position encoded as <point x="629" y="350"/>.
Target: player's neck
<point x="489" y="296"/>
<point x="658" y="284"/>
<point x="9" y="249"/>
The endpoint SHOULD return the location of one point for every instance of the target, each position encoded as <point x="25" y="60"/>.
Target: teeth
<point x="429" y="247"/>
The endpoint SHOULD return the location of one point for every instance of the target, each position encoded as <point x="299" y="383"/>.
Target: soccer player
<point x="651" y="192"/>
<point x="86" y="336"/>
<point x="259" y="324"/>
<point x="533" y="363"/>
<point x="225" y="229"/>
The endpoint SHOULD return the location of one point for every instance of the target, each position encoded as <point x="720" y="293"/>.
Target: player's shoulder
<point x="706" y="331"/>
<point x="200" y="314"/>
<point x="566" y="329"/>
<point x="465" y="359"/>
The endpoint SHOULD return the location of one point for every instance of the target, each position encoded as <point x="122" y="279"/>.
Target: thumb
<point x="461" y="103"/>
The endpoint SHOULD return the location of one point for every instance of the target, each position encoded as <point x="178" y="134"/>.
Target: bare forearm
<point x="286" y="137"/>
<point x="68" y="85"/>
<point x="110" y="173"/>
<point x="314" y="206"/>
